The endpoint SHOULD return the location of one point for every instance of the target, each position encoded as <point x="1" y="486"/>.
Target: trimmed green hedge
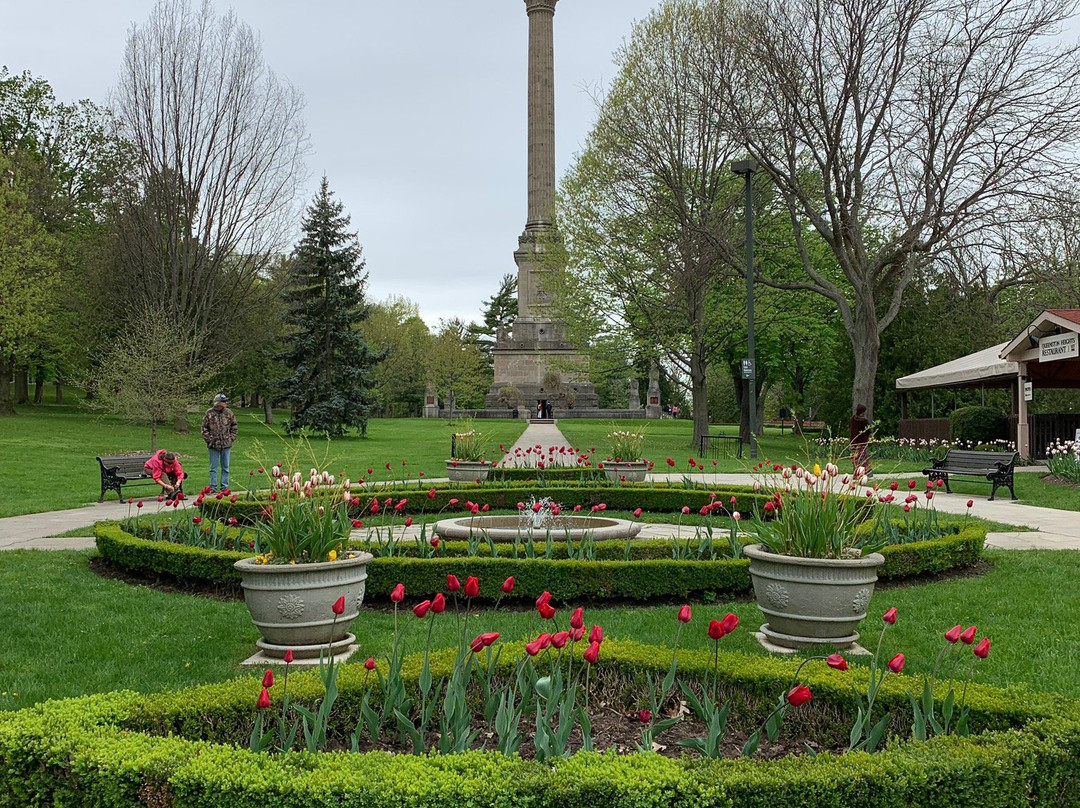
<point x="650" y="497"/>
<point x="122" y="750"/>
<point x="643" y="579"/>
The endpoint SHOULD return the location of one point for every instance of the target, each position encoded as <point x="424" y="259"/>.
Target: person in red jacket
<point x="165" y="468"/>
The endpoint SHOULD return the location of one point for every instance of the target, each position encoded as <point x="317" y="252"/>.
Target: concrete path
<point x="1051" y="529"/>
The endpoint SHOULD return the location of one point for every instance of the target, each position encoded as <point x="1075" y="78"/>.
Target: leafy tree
<point x="29" y="279"/>
<point x="456" y="367"/>
<point x="500" y="311"/>
<point x="330" y="365"/>
<point x="394" y="328"/>
<point x="149" y="373"/>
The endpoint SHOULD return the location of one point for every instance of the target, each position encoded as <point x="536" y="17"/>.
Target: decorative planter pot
<point x="631" y="471"/>
<point x="467" y="471"/>
<point x="291" y="604"/>
<point x="812" y="601"/>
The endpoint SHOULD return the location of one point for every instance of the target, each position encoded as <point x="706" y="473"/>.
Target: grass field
<point x="134" y="637"/>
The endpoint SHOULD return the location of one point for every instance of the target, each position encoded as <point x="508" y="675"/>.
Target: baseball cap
<point x="220" y="397"/>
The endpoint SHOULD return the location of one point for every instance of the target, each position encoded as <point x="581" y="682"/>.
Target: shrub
<point x="978" y="425"/>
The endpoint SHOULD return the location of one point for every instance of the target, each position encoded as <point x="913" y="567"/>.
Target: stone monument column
<point x="539" y="344"/>
<point x="652" y="409"/>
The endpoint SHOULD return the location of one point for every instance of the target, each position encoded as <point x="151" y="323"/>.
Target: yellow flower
<point x="817" y="469"/>
<point x="332" y="555"/>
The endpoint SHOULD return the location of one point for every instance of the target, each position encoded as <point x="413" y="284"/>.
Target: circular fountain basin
<point x="509" y="528"/>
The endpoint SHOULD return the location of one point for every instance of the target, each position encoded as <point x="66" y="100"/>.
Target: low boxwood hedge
<point x="650" y="497"/>
<point x="183" y="750"/>
<point x="640" y="579"/>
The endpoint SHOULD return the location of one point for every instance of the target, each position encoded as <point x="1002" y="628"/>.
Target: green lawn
<point x="125" y="636"/>
<point x="1031" y="489"/>
<point x="48" y="452"/>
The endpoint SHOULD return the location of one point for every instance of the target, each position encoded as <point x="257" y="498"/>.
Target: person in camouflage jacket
<point x="219" y="431"/>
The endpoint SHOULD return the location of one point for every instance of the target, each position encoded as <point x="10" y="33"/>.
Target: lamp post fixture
<point x="746" y="169"/>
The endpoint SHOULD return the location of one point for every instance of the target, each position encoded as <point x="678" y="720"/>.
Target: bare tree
<point x="897" y="131"/>
<point x="220" y="144"/>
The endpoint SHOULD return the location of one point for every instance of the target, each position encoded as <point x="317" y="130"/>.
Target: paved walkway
<point x="535" y="443"/>
<point x="1051" y="529"/>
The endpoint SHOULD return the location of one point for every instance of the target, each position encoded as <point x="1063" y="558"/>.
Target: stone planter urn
<point x="632" y="471"/>
<point x="812" y="601"/>
<point x="291" y="604"/>
<point x="467" y="471"/>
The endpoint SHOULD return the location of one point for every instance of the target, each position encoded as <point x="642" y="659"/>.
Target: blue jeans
<point x="219" y="456"/>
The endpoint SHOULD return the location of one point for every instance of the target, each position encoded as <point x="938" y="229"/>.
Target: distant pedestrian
<point x="165" y="469"/>
<point x="219" y="431"/>
<point x="860" y="439"/>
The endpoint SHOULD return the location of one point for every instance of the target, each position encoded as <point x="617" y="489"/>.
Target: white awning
<point x="982" y="366"/>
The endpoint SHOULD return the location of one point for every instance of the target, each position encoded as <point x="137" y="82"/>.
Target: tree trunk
<point x="268" y="412"/>
<point x="153" y="436"/>
<point x="699" y="394"/>
<point x="39" y="388"/>
<point x="22" y="385"/>
<point x="59" y="393"/>
<point x="866" y="342"/>
<point x="6" y="405"/>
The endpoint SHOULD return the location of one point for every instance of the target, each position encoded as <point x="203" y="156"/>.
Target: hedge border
<point x="97" y="750"/>
<point x="565" y="579"/>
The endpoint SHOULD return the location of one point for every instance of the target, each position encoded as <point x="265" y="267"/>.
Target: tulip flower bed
<point x="190" y="747"/>
<point x="641" y="578"/>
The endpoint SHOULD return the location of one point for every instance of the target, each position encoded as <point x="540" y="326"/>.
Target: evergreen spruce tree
<point x="330" y="381"/>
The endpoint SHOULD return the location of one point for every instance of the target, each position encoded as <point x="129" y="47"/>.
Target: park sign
<point x="1059" y="346"/>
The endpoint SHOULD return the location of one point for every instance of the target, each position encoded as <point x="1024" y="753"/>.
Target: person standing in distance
<point x="219" y="431"/>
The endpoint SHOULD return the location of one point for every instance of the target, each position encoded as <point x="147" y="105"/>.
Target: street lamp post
<point x="746" y="169"/>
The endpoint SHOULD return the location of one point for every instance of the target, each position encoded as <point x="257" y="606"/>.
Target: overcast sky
<point x="415" y="108"/>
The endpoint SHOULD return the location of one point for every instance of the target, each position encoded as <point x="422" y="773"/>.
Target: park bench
<point x="710" y="445"/>
<point x="121" y="470"/>
<point x="995" y="467"/>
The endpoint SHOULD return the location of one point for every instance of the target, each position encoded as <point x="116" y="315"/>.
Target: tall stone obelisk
<point x="538" y="344"/>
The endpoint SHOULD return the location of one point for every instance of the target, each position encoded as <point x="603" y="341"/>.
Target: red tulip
<point x="596" y="635"/>
<point x="894" y="485"/>
<point x="729" y="622"/>
<point x="685" y="509"/>
<point x="968" y="637"/>
<point x="769" y="507"/>
<point x="896" y="664"/>
<point x="489" y="637"/>
<point x="637" y="512"/>
<point x="911" y="483"/>
<point x="716" y="630"/>
<point x="982" y="650"/>
<point x="559" y="639"/>
<point x="438" y="605"/>
<point x="836" y="661"/>
<point x="453" y="502"/>
<point x="644" y="716"/>
<point x="970" y="502"/>
<point x="398" y="593"/>
<point x="477" y="645"/>
<point x="545" y="597"/>
<point x="264" y="700"/>
<point x="547" y="611"/>
<point x="139" y="504"/>
<point x="452" y="583"/>
<point x="339" y="605"/>
<point x="890" y="616"/>
<point x="196" y="520"/>
<point x="288" y="656"/>
<point x="533" y="648"/>
<point x="577" y="619"/>
<point x="268" y="679"/>
<point x="800" y="694"/>
<point x="577" y="634"/>
<point x="472" y="587"/>
<point x="435" y="542"/>
<point x="592" y="653"/>
<point x="431" y="494"/>
<point x="671" y="462"/>
<point x="508" y="585"/>
<point x="953" y="634"/>
<point x="684" y="613"/>
<point x="369" y="663"/>
<point x="421" y="608"/>
<point x="408" y="522"/>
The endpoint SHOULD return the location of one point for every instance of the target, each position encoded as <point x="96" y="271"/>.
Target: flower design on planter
<point x="290" y="607"/>
<point x="861" y="601"/>
<point x="777" y="595"/>
<point x="360" y="592"/>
